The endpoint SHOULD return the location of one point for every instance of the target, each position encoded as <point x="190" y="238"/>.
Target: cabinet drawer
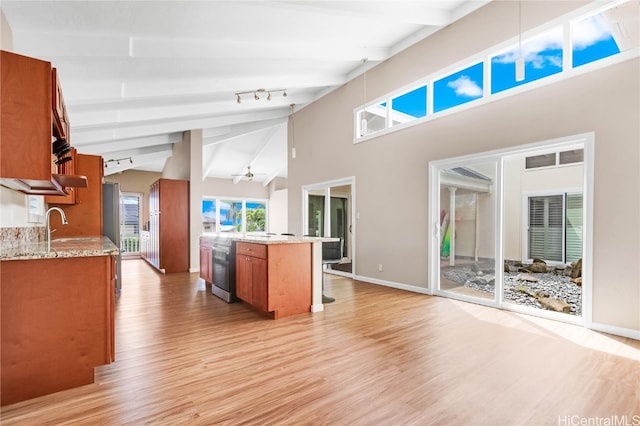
<point x="249" y="249"/>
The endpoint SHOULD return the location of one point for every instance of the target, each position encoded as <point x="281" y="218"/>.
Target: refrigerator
<point x="111" y="222"/>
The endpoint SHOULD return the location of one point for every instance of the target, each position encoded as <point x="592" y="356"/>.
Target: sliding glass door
<point x="509" y="230"/>
<point x="467" y="238"/>
<point x="328" y="213"/>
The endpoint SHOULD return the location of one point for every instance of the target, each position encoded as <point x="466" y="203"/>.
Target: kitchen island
<point x="56" y="314"/>
<point x="277" y="274"/>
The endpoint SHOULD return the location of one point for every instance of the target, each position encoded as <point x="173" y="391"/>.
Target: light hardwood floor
<point x="377" y="356"/>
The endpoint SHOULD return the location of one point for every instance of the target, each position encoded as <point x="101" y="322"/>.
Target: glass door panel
<point x="468" y="209"/>
<point x="543" y="231"/>
<point x="130" y="205"/>
<point x="315" y="220"/>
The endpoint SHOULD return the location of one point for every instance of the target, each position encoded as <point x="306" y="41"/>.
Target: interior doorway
<point x="328" y="212"/>
<point x="511" y="228"/>
<point x="130" y="217"/>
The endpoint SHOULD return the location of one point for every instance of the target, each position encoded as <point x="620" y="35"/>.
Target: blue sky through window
<point x="543" y="57"/>
<point x="412" y="104"/>
<point x="592" y="40"/>
<point x="595" y="37"/>
<point x="458" y="88"/>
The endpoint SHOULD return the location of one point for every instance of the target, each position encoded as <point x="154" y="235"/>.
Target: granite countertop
<point x="268" y="239"/>
<point x="60" y="248"/>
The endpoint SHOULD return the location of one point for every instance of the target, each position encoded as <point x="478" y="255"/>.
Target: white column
<point x="316" y="276"/>
<point x="196" y="189"/>
<point x="452" y="225"/>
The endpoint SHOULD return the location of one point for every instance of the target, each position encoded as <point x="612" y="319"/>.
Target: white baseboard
<point x="393" y="284"/>
<point x="618" y="331"/>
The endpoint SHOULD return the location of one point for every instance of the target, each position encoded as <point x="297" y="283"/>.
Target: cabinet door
<point x="259" y="284"/>
<point x="244" y="278"/>
<point x="206" y="271"/>
<point x="25" y="113"/>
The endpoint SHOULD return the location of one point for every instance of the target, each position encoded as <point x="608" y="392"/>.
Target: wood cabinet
<point x="275" y="278"/>
<point x="57" y="324"/>
<point x="26" y="113"/>
<point x="206" y="260"/>
<point x="251" y="275"/>
<point x="25" y="141"/>
<point x="169" y="225"/>
<point x="85" y="214"/>
<point x="59" y="117"/>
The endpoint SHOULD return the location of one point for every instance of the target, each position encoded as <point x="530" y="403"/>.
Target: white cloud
<point x="531" y="48"/>
<point x="589" y="31"/>
<point x="464" y="86"/>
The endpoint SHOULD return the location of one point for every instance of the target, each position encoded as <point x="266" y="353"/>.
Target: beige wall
<point x="393" y="169"/>
<point x="136" y="181"/>
<point x="6" y="35"/>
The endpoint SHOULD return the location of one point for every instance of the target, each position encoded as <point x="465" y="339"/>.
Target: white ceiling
<point x="136" y="74"/>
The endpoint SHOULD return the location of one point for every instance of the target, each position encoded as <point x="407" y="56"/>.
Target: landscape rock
<point x="538" y="267"/>
<point x="576" y="269"/>
<point x="526" y="277"/>
<point x="549" y="285"/>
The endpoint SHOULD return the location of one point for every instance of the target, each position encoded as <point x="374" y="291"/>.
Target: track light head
<point x="256" y="94"/>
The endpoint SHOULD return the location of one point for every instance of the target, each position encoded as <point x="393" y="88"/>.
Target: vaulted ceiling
<point x="136" y="74"/>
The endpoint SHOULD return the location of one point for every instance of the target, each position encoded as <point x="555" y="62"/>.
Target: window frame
<point x="567" y="71"/>
<point x="243" y="222"/>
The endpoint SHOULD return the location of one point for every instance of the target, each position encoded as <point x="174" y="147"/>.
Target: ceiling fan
<point x="249" y="175"/>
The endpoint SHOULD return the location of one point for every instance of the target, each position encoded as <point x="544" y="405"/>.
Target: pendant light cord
<point x="363" y="119"/>
<point x="520" y="28"/>
<point x="364" y="85"/>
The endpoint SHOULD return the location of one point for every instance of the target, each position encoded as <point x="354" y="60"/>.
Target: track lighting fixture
<point x="258" y="92"/>
<point x="117" y="161"/>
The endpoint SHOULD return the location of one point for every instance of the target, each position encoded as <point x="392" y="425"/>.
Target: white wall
<point x="6" y="34"/>
<point x="393" y="169"/>
<point x="15" y="211"/>
<point x="278" y="217"/>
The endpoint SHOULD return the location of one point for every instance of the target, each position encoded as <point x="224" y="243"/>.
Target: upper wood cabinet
<point x="25" y="141"/>
<point x="59" y="115"/>
<point x="27" y="162"/>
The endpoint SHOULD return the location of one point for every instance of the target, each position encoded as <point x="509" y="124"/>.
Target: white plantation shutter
<point x="546" y="227"/>
<point x="573" y="235"/>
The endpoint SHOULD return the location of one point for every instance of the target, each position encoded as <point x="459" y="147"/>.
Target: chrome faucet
<point x="64" y="222"/>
